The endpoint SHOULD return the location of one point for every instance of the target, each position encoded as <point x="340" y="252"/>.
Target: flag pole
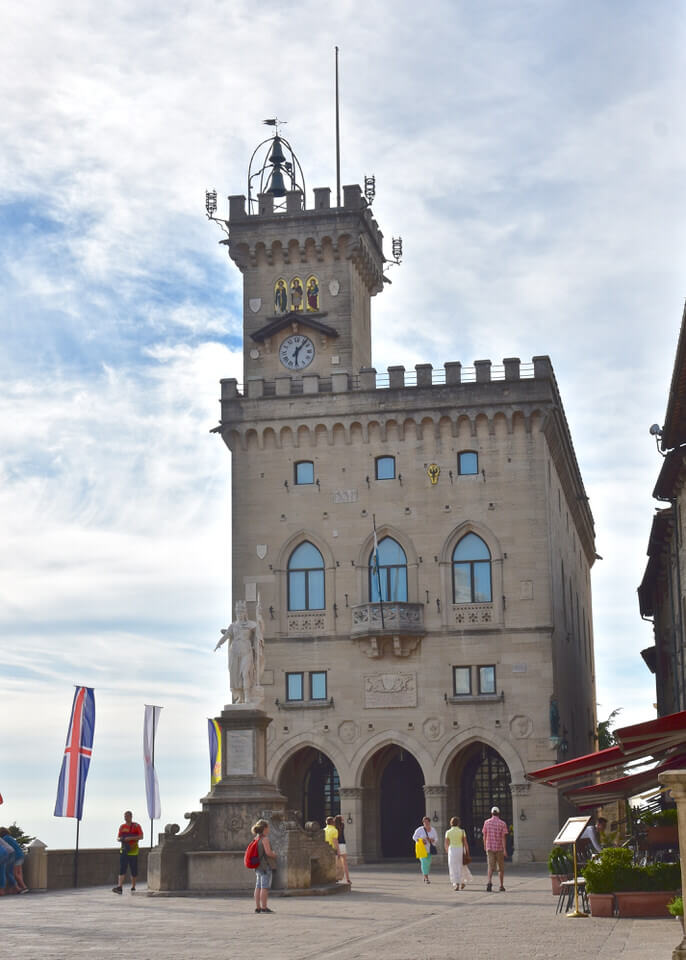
<point x="153" y="766"/>
<point x="378" y="571"/>
<point x="76" y="854"/>
<point x="338" y="143"/>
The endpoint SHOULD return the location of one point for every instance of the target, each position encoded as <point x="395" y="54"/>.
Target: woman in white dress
<point x="456" y="847"/>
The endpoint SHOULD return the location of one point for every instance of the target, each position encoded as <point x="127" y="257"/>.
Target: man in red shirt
<point x="495" y="844"/>
<point x="129" y="834"/>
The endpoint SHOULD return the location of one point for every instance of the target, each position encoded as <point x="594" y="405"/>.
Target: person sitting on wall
<point x="18" y="870"/>
<point x="7" y="883"/>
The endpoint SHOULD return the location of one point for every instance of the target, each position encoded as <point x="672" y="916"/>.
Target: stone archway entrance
<point x="310" y="782"/>
<point x="393" y="803"/>
<point x="478" y="778"/>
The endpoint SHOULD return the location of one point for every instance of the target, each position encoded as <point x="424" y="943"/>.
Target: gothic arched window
<point x="472" y="571"/>
<point x="391" y="576"/>
<point x="306" y="578"/>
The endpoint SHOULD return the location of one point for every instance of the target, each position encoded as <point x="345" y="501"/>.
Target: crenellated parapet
<point x="308" y="236"/>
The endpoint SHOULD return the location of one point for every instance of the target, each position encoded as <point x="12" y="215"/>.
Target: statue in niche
<point x="246" y="655"/>
<point x="280" y="297"/>
<point x="296" y="294"/>
<point x="312" y="294"/>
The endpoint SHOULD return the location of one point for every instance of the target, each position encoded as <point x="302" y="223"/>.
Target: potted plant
<point x="561" y="867"/>
<point x="661" y="828"/>
<point x="676" y="908"/>
<point x="637" y="891"/>
<point x="599" y="875"/>
<point x="646" y="891"/>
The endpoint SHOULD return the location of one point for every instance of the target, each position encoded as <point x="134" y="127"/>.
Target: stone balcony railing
<point x="376" y="625"/>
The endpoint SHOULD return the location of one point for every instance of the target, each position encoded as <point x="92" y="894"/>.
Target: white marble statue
<point x="246" y="655"/>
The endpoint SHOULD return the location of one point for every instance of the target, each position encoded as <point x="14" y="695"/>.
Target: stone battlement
<point x="396" y="378"/>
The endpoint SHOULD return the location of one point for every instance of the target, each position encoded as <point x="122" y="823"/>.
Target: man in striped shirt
<point x="495" y="844"/>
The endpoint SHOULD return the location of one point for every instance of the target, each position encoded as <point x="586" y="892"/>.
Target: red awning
<point x="651" y="739"/>
<point x="622" y="787"/>
<point x="579" y="766"/>
<point x="654" y="734"/>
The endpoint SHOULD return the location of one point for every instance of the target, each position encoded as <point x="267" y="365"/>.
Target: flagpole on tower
<point x="338" y="143"/>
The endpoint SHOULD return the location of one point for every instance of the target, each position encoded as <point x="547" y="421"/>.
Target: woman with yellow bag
<point x="425" y="840"/>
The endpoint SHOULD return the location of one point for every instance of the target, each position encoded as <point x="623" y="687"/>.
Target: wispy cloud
<point x="530" y="154"/>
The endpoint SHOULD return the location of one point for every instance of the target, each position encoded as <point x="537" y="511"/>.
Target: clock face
<point x="296" y="352"/>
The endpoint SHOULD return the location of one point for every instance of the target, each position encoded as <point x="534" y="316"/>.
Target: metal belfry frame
<point x="263" y="178"/>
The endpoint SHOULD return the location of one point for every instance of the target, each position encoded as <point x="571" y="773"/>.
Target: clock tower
<point x="417" y="543"/>
<point x="308" y="275"/>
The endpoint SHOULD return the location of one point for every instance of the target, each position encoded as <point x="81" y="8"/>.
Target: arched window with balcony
<point x="472" y="582"/>
<point x="390" y="581"/>
<point x="306" y="578"/>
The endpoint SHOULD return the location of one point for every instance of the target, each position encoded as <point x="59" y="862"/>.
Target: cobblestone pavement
<point x="389" y="915"/>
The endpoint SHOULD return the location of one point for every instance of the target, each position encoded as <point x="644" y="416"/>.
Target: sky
<point x="531" y="155"/>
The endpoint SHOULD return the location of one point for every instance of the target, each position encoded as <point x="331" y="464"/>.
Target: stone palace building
<point x="431" y="673"/>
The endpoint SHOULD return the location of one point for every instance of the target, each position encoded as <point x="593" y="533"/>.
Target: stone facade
<point x="391" y="727"/>
<point x="662" y="593"/>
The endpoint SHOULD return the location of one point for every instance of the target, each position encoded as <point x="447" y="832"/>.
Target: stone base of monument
<point x="207" y="857"/>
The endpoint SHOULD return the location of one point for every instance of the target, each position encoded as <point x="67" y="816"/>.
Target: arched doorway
<point x="310" y="782"/>
<point x="478" y="778"/>
<point x="393" y="803"/>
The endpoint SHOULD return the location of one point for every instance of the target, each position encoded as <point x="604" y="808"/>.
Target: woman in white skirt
<point x="456" y="846"/>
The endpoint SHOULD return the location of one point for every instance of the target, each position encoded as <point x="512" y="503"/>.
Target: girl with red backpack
<point x="263" y="871"/>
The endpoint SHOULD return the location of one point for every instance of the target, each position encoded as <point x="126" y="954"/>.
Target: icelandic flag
<point x="215" y="738"/>
<point x="77" y="755"/>
<point x="152" y="787"/>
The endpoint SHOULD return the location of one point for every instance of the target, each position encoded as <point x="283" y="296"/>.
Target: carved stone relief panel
<point x="390" y="690"/>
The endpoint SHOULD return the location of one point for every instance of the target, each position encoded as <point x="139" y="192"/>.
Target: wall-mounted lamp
<point x="435" y="816"/>
<point x="438" y="605"/>
<point x="349" y="818"/>
<point x="522" y="816"/>
<point x="450" y="474"/>
<point x="400" y="479"/>
<point x="427" y="596"/>
<point x="335" y="610"/>
<point x="285" y="483"/>
<point x="317" y="482"/>
<point x="367" y="481"/>
<point x="346" y="599"/>
<point x="271" y="613"/>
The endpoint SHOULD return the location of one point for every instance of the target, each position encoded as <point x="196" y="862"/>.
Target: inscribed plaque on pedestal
<point x="240" y="752"/>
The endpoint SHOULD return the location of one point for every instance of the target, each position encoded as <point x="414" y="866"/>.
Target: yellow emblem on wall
<point x="433" y="470"/>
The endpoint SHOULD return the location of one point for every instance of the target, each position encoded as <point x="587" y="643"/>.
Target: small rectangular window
<point x="294" y="686"/>
<point x="385" y="468"/>
<point x="467" y="463"/>
<point x="304" y="472"/>
<point x="318" y="685"/>
<point x="462" y="681"/>
<point x="487" y="679"/>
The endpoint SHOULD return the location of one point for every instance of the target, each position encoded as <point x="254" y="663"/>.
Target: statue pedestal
<point x="208" y="856"/>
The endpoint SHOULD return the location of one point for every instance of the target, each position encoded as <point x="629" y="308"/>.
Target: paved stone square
<point x="389" y="915"/>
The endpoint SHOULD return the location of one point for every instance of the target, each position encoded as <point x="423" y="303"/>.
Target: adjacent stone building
<point x="430" y="673"/>
<point x="662" y="593"/>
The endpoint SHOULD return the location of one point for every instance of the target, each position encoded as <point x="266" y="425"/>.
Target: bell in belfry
<point x="277" y="188"/>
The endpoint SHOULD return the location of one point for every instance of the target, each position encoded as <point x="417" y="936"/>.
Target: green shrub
<point x="661" y="818"/>
<point x="613" y="872"/>
<point x="600" y="873"/>
<point x="560" y="861"/>
<point x="676" y="907"/>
